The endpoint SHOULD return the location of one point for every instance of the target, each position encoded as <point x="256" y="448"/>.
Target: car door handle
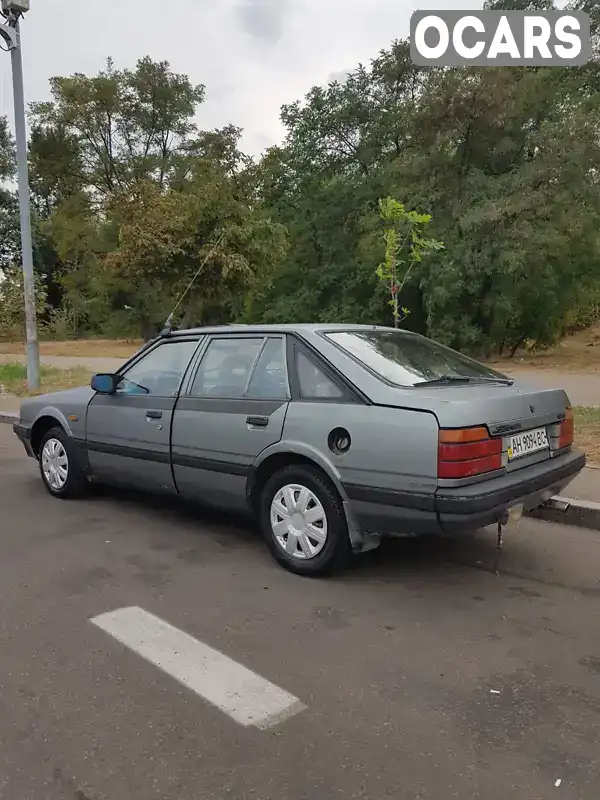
<point x="153" y="414"/>
<point x="258" y="422"/>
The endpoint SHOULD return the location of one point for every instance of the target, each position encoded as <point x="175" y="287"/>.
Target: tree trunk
<point x="187" y="320"/>
<point x="149" y="330"/>
<point x="517" y="345"/>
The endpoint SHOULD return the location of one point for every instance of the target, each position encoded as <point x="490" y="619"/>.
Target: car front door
<point x="127" y="433"/>
<point x="234" y="406"/>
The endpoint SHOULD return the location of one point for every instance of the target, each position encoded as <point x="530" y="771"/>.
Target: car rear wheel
<point x="303" y="521"/>
<point x="61" y="474"/>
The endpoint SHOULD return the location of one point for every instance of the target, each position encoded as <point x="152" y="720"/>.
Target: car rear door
<point x="127" y="433"/>
<point x="233" y="407"/>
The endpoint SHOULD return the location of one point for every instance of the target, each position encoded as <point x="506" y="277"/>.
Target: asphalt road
<point x="423" y="675"/>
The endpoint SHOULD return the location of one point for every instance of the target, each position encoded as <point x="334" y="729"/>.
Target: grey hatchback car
<point x="331" y="436"/>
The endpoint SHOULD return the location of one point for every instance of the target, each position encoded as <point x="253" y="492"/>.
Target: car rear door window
<point x="313" y="383"/>
<point x="226" y="367"/>
<point x="269" y="379"/>
<point x="159" y="373"/>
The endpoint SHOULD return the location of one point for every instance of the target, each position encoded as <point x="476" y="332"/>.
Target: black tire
<point x="76" y="481"/>
<point x="336" y="550"/>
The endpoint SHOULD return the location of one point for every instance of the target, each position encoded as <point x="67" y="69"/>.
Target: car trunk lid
<point x="505" y="408"/>
<point x="519" y="426"/>
<point x="495" y="405"/>
<point x="486" y="427"/>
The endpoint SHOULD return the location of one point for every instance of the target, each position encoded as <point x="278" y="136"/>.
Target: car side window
<point x="226" y="367"/>
<point x="312" y="381"/>
<point x="160" y="372"/>
<point x="269" y="379"/>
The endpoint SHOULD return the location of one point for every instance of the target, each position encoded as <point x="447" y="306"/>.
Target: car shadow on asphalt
<point x="527" y="557"/>
<point x="438" y="558"/>
<point x="228" y="529"/>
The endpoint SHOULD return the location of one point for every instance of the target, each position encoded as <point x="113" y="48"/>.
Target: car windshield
<point x="408" y="359"/>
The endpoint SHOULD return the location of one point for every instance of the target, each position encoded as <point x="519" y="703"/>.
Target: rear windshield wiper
<point x="458" y="379"/>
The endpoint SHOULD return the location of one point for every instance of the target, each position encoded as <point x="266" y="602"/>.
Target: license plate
<point x="523" y="444"/>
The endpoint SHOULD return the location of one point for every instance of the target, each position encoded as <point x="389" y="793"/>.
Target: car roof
<point x="288" y="328"/>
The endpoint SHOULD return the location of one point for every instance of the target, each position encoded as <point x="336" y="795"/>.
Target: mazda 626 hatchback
<point x="331" y="436"/>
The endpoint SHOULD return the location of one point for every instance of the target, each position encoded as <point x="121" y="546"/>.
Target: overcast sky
<point x="252" y="55"/>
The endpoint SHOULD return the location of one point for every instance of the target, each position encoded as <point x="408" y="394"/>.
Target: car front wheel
<point x="303" y="521"/>
<point x="61" y="474"/>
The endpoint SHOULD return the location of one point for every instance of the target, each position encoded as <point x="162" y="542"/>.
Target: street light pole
<point x="12" y="35"/>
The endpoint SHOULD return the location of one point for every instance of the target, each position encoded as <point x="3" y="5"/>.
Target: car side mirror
<point x="105" y="383"/>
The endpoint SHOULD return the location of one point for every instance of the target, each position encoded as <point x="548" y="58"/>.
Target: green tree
<point x="405" y="247"/>
<point x="166" y="235"/>
<point x="107" y="132"/>
<point x="7" y="151"/>
<point x="12" y="303"/>
<point x="129" y="198"/>
<point x="505" y="162"/>
<point x="132" y="196"/>
<point x="12" y="315"/>
<point x="10" y="243"/>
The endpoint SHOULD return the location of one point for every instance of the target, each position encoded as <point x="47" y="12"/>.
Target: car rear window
<point x="406" y="359"/>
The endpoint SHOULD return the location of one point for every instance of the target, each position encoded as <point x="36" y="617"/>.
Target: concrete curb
<point x="566" y="511"/>
<point x="8" y="417"/>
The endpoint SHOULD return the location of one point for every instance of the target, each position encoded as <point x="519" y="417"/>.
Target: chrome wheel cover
<point x="55" y="464"/>
<point x="298" y="521"/>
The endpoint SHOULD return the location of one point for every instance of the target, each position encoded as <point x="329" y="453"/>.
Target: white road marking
<point x="237" y="691"/>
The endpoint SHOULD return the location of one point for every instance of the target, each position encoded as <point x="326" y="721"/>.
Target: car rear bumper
<point x="466" y="508"/>
<point x="386" y="517"/>
<point x="478" y="505"/>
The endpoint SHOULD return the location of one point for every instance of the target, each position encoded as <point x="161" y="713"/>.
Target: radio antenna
<point x="168" y="329"/>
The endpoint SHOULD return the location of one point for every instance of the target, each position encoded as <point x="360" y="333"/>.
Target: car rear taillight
<point x="567" y="430"/>
<point x="465" y="452"/>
